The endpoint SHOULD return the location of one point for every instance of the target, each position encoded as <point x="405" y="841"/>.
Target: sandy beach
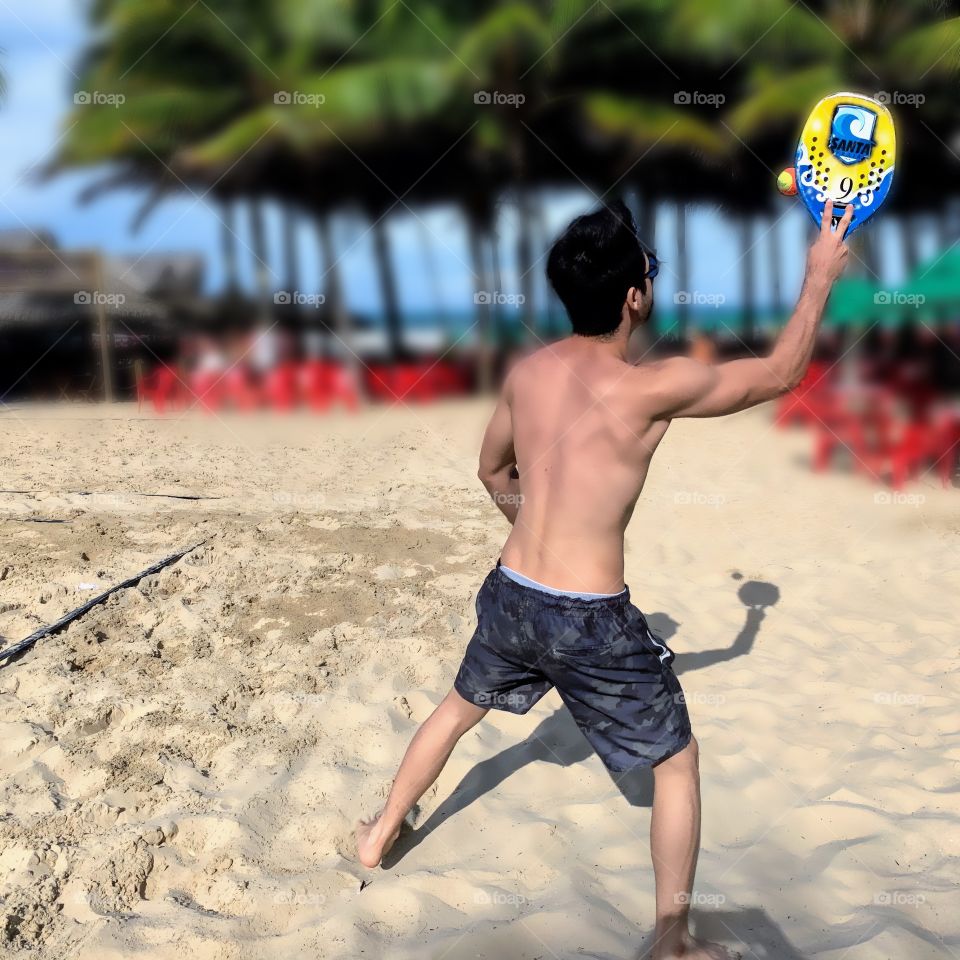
<point x="182" y="767"/>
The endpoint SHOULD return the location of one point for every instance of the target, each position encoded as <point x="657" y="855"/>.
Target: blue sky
<point x="41" y="45"/>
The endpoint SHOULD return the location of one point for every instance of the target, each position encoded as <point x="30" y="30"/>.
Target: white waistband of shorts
<point x="543" y="588"/>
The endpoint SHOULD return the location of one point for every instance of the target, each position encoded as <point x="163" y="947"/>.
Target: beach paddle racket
<point x="846" y="154"/>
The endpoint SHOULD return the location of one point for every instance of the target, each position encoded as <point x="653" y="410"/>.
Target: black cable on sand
<point x="35" y="520"/>
<point x="128" y="493"/>
<point x="68" y="618"/>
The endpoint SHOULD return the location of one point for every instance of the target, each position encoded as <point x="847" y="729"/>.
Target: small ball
<point x="787" y="182"/>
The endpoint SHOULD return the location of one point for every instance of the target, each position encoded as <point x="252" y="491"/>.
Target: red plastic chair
<point x="460" y="375"/>
<point x="809" y="400"/>
<point x="343" y="386"/>
<point x="206" y="389"/>
<point x="946" y="446"/>
<point x="406" y="380"/>
<point x="240" y="388"/>
<point x="863" y="432"/>
<point x="380" y="382"/>
<point x="836" y="428"/>
<point x="315" y="385"/>
<point x="901" y="457"/>
<point x="451" y="379"/>
<point x="280" y="387"/>
<point x="324" y="383"/>
<point x="432" y="381"/>
<point x="161" y="387"/>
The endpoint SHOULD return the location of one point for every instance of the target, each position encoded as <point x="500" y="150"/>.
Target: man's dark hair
<point x="593" y="264"/>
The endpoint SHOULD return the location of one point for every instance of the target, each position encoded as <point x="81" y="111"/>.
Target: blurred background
<point x="320" y="203"/>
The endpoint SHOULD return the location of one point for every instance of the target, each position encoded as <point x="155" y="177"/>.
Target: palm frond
<point x="928" y="51"/>
<point x="782" y="100"/>
<point x="643" y="123"/>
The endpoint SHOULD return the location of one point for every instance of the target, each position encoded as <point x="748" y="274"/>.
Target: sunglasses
<point x="653" y="265"/>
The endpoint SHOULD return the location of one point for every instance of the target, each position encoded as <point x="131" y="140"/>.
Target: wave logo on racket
<point x="846" y="154"/>
<point x="851" y="133"/>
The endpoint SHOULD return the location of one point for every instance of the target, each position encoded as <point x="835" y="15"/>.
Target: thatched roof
<point x="42" y="285"/>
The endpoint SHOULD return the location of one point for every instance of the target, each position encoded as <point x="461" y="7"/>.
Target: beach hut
<point x="73" y="321"/>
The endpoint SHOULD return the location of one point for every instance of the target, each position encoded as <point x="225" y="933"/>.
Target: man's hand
<point x="498" y="460"/>
<point x="828" y="253"/>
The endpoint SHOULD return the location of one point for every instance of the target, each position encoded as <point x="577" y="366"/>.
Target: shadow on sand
<point x="750" y="929"/>
<point x="558" y="740"/>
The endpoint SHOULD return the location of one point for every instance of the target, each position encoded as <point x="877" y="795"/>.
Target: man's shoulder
<point x="530" y="365"/>
<point x="655" y="385"/>
<point x="661" y="365"/>
<point x="655" y="374"/>
<point x="646" y="374"/>
<point x="548" y="353"/>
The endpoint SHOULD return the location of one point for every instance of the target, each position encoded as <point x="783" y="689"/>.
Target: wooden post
<point x="137" y="379"/>
<point x="106" y="357"/>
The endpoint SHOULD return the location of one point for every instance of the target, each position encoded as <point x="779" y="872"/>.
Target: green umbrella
<point x="854" y="301"/>
<point x="934" y="288"/>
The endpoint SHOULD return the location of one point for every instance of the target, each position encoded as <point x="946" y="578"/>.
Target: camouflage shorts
<point x="612" y="672"/>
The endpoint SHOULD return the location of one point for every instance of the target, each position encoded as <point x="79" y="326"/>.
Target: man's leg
<point x="429" y="750"/>
<point x="674" y="844"/>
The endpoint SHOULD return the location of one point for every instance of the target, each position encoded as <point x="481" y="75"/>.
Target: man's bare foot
<point x="690" y="948"/>
<point x="372" y="843"/>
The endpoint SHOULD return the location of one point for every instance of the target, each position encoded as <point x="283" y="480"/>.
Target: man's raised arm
<point x="687" y="388"/>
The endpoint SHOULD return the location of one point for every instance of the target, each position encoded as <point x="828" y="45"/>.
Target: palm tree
<point x="340" y="135"/>
<point x="666" y="151"/>
<point x="585" y="120"/>
<point x="169" y="99"/>
<point x="798" y="53"/>
<point x="507" y="54"/>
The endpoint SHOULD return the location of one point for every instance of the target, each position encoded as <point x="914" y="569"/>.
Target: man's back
<point x="583" y="444"/>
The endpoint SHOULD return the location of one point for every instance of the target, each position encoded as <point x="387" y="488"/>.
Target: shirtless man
<point x="565" y="457"/>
